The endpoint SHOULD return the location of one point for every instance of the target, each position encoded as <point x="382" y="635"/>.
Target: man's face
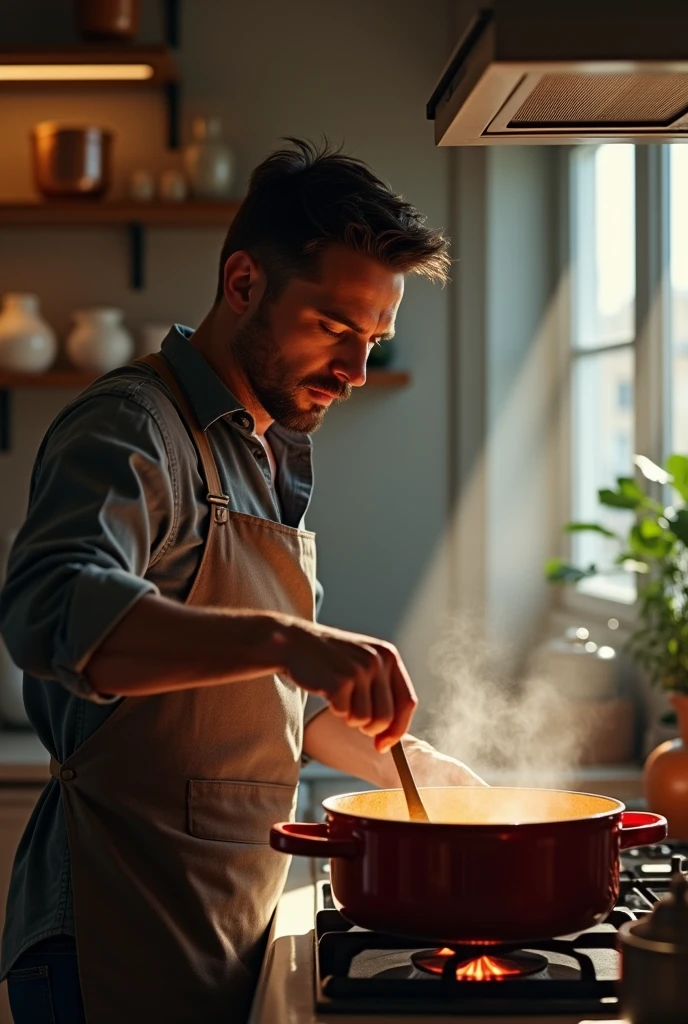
<point x="309" y="347"/>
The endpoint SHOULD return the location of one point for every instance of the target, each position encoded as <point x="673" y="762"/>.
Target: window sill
<point x="619" y="781"/>
<point x="594" y="610"/>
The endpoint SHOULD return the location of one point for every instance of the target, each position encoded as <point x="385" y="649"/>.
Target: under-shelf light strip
<point x="75" y="72"/>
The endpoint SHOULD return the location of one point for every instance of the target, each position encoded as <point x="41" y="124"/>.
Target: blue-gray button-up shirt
<point x="117" y="509"/>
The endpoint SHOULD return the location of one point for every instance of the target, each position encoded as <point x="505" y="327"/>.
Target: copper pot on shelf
<point x="71" y="161"/>
<point x="108" y="19"/>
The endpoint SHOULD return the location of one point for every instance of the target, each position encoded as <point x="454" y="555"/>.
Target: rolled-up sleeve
<point x="101" y="504"/>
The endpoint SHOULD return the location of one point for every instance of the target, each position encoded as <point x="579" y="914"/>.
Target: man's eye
<point x="332" y="334"/>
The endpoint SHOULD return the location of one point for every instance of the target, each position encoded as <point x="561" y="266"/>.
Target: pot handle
<point x="639" y="828"/>
<point x="310" y="839"/>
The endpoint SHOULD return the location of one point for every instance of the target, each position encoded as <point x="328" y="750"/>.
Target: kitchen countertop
<point x="285" y="988"/>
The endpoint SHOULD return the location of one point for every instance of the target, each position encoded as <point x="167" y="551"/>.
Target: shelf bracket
<point x="5" y="419"/>
<point x="172" y="23"/>
<point x="173" y="114"/>
<point x="137" y="255"/>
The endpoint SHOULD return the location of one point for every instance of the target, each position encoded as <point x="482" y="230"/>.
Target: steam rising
<point x="525" y="733"/>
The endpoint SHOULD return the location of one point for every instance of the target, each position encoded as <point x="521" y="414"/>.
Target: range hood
<point x="566" y="71"/>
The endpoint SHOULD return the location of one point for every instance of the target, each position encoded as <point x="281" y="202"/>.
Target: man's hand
<point x="363" y="679"/>
<point x="431" y="768"/>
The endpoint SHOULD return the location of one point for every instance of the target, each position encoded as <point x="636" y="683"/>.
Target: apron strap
<point x="217" y="499"/>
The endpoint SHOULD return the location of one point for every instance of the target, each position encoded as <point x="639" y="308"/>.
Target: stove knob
<point x="677" y="862"/>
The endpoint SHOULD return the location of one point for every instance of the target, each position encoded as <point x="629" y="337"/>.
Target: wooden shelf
<point x="383" y="378"/>
<point x="99" y="213"/>
<point x="51" y="379"/>
<point x="77" y="380"/>
<point x="164" y="74"/>
<point x="159" y="58"/>
<point x="134" y="217"/>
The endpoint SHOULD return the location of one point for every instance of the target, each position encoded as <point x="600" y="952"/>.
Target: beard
<point x="271" y="378"/>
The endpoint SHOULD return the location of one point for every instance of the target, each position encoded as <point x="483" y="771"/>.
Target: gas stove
<point x="363" y="972"/>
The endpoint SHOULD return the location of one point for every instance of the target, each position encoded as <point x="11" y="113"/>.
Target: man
<point x="160" y="598"/>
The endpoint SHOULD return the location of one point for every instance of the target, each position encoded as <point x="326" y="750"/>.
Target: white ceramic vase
<point x="27" y="342"/>
<point x="99" y="341"/>
<point x="208" y="161"/>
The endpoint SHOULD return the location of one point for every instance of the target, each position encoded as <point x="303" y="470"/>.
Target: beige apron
<point x="169" y="804"/>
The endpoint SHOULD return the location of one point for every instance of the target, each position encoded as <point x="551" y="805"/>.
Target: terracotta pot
<point x="108" y="19"/>
<point x="665" y="778"/>
<point x="494" y="865"/>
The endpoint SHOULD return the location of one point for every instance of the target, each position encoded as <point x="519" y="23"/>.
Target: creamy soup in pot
<point x="478" y="805"/>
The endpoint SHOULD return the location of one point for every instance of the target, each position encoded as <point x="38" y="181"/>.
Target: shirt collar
<point x="209" y="397"/>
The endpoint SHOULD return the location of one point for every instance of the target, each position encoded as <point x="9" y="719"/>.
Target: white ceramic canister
<point x="99" y="341"/>
<point x="141" y="186"/>
<point x="27" y="343"/>
<point x="173" y="186"/>
<point x="208" y="160"/>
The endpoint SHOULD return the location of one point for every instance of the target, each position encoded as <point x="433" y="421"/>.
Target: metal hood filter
<point x="526" y="71"/>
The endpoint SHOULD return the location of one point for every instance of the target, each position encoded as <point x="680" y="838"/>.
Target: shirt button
<point x="243" y="421"/>
<point x="260" y="453"/>
<point x="67" y="774"/>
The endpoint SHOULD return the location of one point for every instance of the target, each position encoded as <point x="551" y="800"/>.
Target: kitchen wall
<point x="361" y="73"/>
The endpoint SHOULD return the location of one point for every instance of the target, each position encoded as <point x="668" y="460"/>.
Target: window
<point x="678" y="262"/>
<point x="628" y="329"/>
<point x="603" y="339"/>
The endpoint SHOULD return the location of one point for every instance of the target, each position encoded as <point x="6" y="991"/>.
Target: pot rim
<point x="612" y="813"/>
<point x="57" y="127"/>
<point x="628" y="936"/>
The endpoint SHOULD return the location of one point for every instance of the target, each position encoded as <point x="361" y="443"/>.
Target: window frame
<point x="651" y="346"/>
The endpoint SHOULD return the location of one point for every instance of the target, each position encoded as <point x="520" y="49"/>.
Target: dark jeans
<point x="44" y="985"/>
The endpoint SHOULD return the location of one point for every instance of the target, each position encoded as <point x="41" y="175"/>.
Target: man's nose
<point x="352" y="368"/>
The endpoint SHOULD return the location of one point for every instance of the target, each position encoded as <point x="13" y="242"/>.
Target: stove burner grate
<point x="363" y="972"/>
<point x="485" y="967"/>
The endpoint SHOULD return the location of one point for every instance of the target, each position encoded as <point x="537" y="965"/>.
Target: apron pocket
<point x="237" y="812"/>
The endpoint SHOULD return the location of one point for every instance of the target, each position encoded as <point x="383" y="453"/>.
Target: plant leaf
<point x="679" y="525"/>
<point x="651" y="471"/>
<point x="678" y="467"/>
<point x="616" y="499"/>
<point x="559" y="571"/>
<point x="648" y="538"/>
<point x="592" y="527"/>
<point x="627" y="556"/>
<point x="633" y="565"/>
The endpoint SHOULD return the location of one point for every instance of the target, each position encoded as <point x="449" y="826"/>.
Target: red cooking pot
<point x="494" y="865"/>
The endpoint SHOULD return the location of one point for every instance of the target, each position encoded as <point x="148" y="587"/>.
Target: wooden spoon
<point x="414" y="803"/>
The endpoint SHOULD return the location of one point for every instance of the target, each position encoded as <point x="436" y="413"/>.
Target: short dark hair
<point x="303" y="198"/>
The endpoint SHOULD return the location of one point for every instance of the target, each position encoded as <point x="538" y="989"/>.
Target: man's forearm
<point x="329" y="740"/>
<point x="161" y="645"/>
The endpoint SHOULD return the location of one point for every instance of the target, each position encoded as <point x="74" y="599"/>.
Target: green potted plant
<point x="655" y="548"/>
